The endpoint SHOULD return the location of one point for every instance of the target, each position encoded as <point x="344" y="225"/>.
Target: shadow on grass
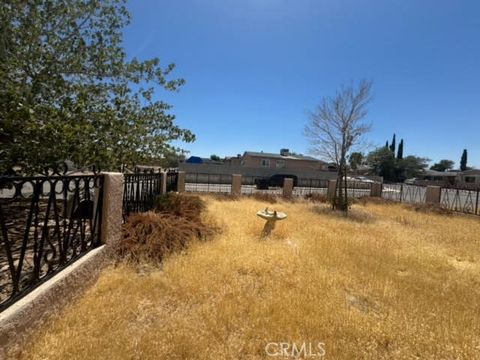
<point x="354" y="214"/>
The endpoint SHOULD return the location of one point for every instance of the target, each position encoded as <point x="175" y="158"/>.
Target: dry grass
<point x="387" y="283"/>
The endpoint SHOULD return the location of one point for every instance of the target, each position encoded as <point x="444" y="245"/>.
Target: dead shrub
<point x="152" y="236"/>
<point x="182" y="205"/>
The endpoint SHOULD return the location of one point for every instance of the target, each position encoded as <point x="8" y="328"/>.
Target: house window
<point x="265" y="163"/>
<point x="280" y="164"/>
<point x="470" y="179"/>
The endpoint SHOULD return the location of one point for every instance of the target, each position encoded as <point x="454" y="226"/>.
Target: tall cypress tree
<point x="463" y="160"/>
<point x="392" y="147"/>
<point x="400" y="150"/>
<point x="386" y="144"/>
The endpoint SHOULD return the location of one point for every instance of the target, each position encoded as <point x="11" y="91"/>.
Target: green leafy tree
<point x="400" y="150"/>
<point x="382" y="162"/>
<point x="463" y="160"/>
<point x="393" y="145"/>
<point x="410" y="167"/>
<point x="443" y="165"/>
<point x="355" y="159"/>
<point x="171" y="159"/>
<point x="215" y="157"/>
<point x="68" y="91"/>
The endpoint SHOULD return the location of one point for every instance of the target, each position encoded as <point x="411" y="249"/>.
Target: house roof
<point x="440" y="173"/>
<point x="471" y="172"/>
<point x="278" y="156"/>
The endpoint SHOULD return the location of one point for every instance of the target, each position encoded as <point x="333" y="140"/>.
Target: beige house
<point x="283" y="161"/>
<point x="469" y="178"/>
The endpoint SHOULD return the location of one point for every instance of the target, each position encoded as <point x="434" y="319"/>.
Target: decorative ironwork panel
<point x="212" y="183"/>
<point x="358" y="188"/>
<point x="258" y="185"/>
<point x="461" y="200"/>
<point x="310" y="186"/>
<point x="392" y="192"/>
<point x="413" y="193"/>
<point x="140" y="191"/>
<point x="46" y="223"/>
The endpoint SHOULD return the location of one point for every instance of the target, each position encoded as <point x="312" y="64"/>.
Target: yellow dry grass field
<point x="387" y="282"/>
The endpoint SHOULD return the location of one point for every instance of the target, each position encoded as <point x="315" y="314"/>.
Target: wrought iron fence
<point x="413" y="193"/>
<point x="392" y="192"/>
<point x="404" y="192"/>
<point x="358" y="188"/>
<point x="140" y="190"/>
<point x="462" y="200"/>
<point x="310" y="186"/>
<point x="46" y="223"/>
<point x="212" y="183"/>
<point x="258" y="185"/>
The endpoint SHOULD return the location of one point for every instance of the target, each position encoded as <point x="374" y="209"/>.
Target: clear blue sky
<point x="254" y="68"/>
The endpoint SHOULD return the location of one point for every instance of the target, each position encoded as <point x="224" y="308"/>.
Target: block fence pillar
<point x="432" y="195"/>
<point x="376" y="189"/>
<point x="163" y="182"/>
<point x="181" y="182"/>
<point x="332" y="184"/>
<point x="287" y="187"/>
<point x="112" y="209"/>
<point x="236" y="184"/>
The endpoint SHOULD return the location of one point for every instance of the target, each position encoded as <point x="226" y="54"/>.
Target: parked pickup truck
<point x="274" y="181"/>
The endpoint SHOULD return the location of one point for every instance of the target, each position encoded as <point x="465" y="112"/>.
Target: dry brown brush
<point x="182" y="205"/>
<point x="151" y="236"/>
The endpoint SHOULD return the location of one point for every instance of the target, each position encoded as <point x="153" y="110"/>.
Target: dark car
<point x="274" y="181"/>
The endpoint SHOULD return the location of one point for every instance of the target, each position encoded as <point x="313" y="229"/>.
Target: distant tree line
<point x="389" y="162"/>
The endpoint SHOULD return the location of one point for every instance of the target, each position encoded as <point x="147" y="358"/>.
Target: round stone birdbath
<point x="272" y="217"/>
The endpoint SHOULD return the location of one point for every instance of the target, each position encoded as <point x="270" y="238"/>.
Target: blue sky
<point x="254" y="68"/>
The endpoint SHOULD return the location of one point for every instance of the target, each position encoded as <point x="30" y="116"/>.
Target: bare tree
<point x="336" y="128"/>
